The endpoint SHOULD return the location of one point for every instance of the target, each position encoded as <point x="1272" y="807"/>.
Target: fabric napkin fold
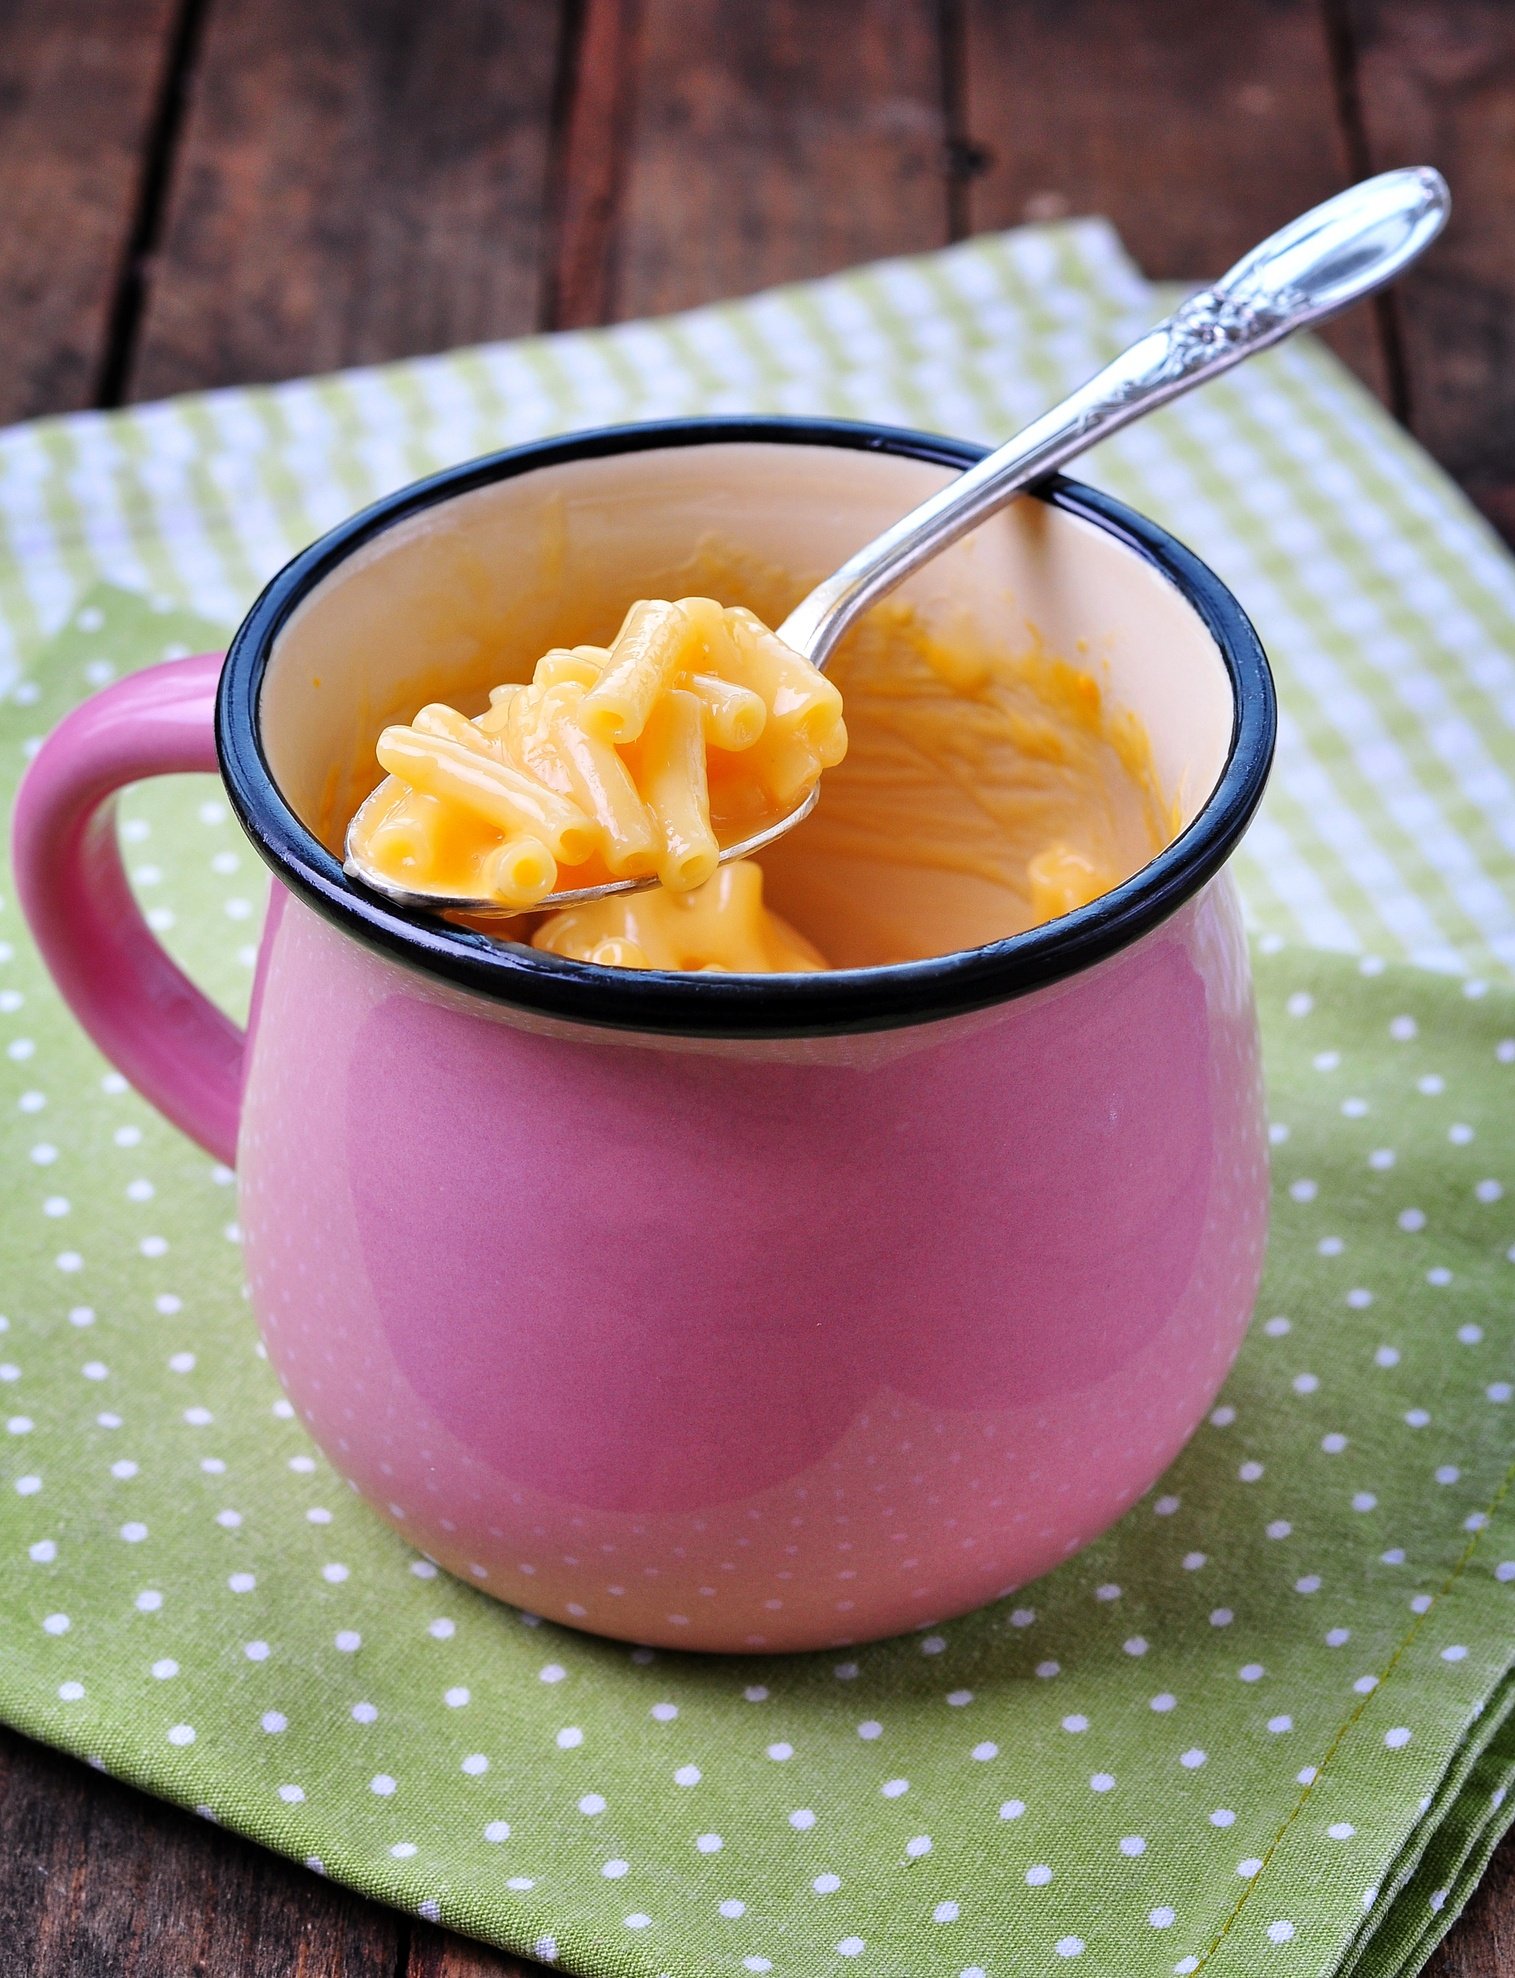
<point x="1266" y="1722"/>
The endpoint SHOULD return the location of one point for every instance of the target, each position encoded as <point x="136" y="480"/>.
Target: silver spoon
<point x="1329" y="257"/>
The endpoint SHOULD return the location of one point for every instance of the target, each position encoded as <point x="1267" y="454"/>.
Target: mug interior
<point x="468" y="590"/>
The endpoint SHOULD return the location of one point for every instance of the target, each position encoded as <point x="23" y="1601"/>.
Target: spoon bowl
<point x="358" y="867"/>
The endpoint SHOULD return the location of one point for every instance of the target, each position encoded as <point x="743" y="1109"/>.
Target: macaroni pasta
<point x="720" y="926"/>
<point x="695" y="727"/>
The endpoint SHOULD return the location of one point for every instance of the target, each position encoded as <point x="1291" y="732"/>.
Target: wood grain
<point x="358" y="180"/>
<point x="79" y="85"/>
<point x="589" y="163"/>
<point x="775" y="140"/>
<point x="439" y="1954"/>
<point x="1481" y="1943"/>
<point x="1195" y="129"/>
<point x="1436" y="83"/>
<point x="99" y="1881"/>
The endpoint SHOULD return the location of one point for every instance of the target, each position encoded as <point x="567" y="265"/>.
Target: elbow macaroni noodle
<point x="720" y="926"/>
<point x="636" y="760"/>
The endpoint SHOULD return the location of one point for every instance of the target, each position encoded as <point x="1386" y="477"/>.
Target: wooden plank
<point x="439" y="1954"/>
<point x="774" y="140"/>
<point x="358" y="180"/>
<point x="1481" y="1943"/>
<point x="1436" y="85"/>
<point x="79" y="86"/>
<point x="99" y="1881"/>
<point x="1195" y="128"/>
<point x="590" y="164"/>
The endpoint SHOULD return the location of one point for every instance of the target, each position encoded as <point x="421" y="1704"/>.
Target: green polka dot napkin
<point x="1265" y="1725"/>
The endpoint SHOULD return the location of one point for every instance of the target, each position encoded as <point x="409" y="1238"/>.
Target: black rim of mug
<point x="843" y="1000"/>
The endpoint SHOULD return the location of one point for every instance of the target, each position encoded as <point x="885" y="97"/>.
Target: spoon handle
<point x="1327" y="258"/>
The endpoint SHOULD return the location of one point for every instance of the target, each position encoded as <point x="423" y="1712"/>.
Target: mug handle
<point x="149" y="1019"/>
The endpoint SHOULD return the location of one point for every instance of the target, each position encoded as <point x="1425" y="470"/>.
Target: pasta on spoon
<point x="642" y="759"/>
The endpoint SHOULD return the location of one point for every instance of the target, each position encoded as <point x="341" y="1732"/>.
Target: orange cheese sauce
<point x="722" y="926"/>
<point x="986" y="790"/>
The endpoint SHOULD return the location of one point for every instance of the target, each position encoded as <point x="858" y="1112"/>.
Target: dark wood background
<point x="208" y="192"/>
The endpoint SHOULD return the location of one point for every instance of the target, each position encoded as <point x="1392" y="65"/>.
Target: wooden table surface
<point x="209" y="192"/>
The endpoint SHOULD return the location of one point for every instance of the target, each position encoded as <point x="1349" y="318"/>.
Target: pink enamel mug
<point x="721" y="1312"/>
